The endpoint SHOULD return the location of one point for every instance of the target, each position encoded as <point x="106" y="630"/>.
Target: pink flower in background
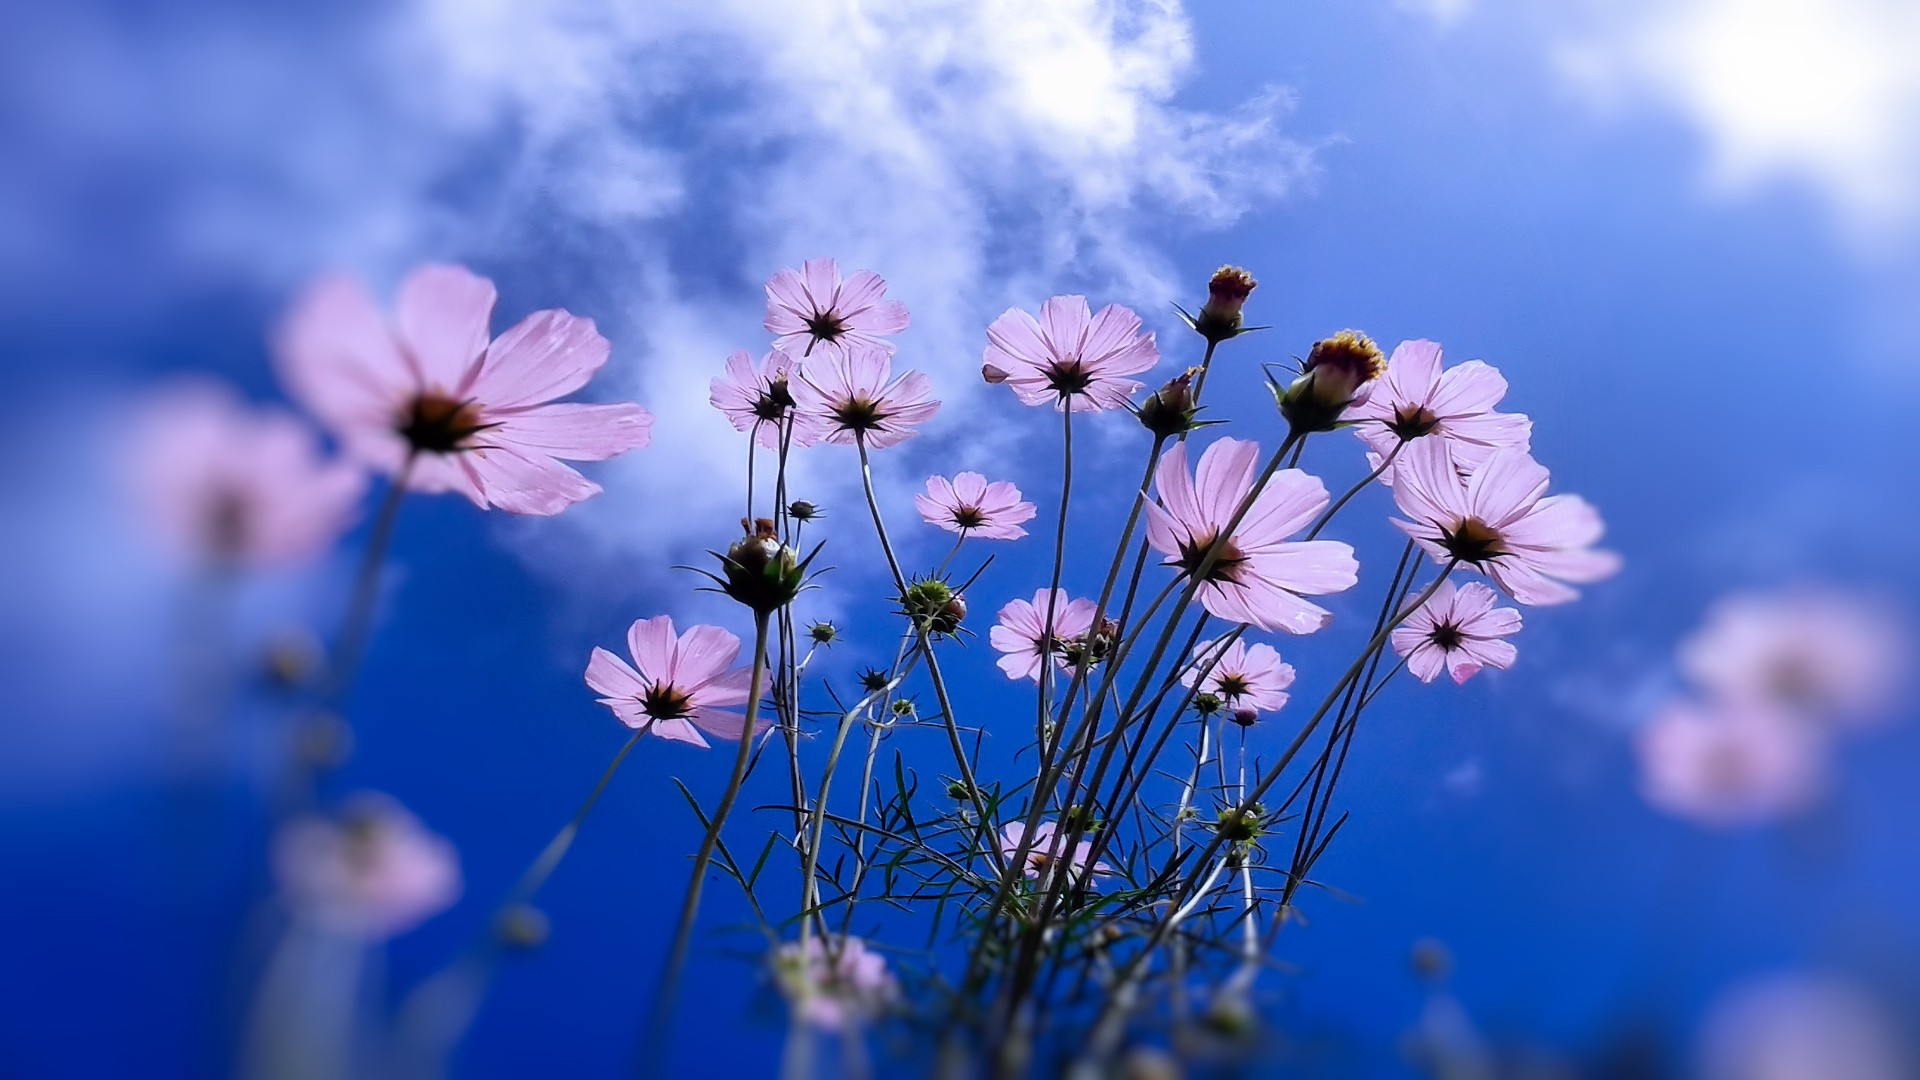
<point x="853" y="395"/>
<point x="1809" y="652"/>
<point x="1498" y="522"/>
<point x="1800" y="1026"/>
<point x="1245" y="676"/>
<point x="1721" y="765"/>
<point x="373" y="873"/>
<point x="474" y="417"/>
<point x="1259" y="575"/>
<point x="1458" y="630"/>
<point x="1416" y="399"/>
<point x="835" y="985"/>
<point x="758" y="398"/>
<point x="811" y="311"/>
<point x="678" y="684"/>
<point x="228" y="484"/>
<point x="1046" y="848"/>
<point x="970" y="506"/>
<point x="1023" y="632"/>
<point x="1069" y="354"/>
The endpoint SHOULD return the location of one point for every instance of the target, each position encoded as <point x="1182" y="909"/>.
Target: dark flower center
<point x="1413" y="421"/>
<point x="1472" y="541"/>
<point x="858" y="414"/>
<point x="1447" y="636"/>
<point x="1068" y="376"/>
<point x="663" y="701"/>
<point x="1233" y="686"/>
<point x="1194" y="552"/>
<point x="969" y="517"/>
<point x="774" y="401"/>
<point x="227" y="524"/>
<point x="439" y="424"/>
<point x="826" y="326"/>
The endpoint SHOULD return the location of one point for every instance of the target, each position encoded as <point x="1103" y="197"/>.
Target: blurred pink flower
<point x="1416" y="399"/>
<point x="1250" y="677"/>
<point x="1046" y="846"/>
<point x="224" y="483"/>
<point x="1069" y="354"/>
<point x="852" y="394"/>
<point x="835" y="986"/>
<point x="1259" y="575"/>
<point x="757" y="398"/>
<point x="811" y="311"/>
<point x="1498" y="523"/>
<point x="375" y="872"/>
<point x="970" y="506"/>
<point x="681" y="683"/>
<point x="1808" y="652"/>
<point x="474" y="417"/>
<point x="1457" y="630"/>
<point x="1022" y="632"/>
<point x="1725" y="766"/>
<point x="1801" y="1027"/>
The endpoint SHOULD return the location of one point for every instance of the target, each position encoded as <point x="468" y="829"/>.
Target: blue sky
<point x="1692" y="275"/>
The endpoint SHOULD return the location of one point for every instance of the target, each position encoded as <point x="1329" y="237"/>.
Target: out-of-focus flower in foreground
<point x="1809" y="652"/>
<point x="1024" y="636"/>
<point x="1727" y="766"/>
<point x="1459" y="631"/>
<point x="812" y="311"/>
<point x="1244" y="677"/>
<point x="1417" y="399"/>
<point x="374" y="872"/>
<point x="1801" y="1027"/>
<point x="835" y="985"/>
<point x="222" y="483"/>
<point x="970" y="506"/>
<point x="430" y="395"/>
<point x="1069" y="355"/>
<point x="853" y="395"/>
<point x="1046" y="849"/>
<point x="678" y="683"/>
<point x="1259" y="575"/>
<point x="758" y="398"/>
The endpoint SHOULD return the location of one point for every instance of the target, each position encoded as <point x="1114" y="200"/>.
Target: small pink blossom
<point x="970" y="506"/>
<point x="678" y="684"/>
<point x="1808" y="652"/>
<point x="1069" y="354"/>
<point x="1459" y="631"/>
<point x="1245" y="676"/>
<point x="1500" y="521"/>
<point x="1022" y="633"/>
<point x="428" y="388"/>
<point x="1802" y="1026"/>
<point x="835" y="986"/>
<point x="853" y="395"/>
<point x="1417" y="399"/>
<point x="1725" y="766"/>
<point x="1046" y="849"/>
<point x="758" y="398"/>
<point x="227" y="484"/>
<point x="373" y="873"/>
<point x="811" y="311"/>
<point x="1260" y="575"/>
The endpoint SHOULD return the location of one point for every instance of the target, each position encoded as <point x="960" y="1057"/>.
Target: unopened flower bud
<point x="761" y="572"/>
<point x="802" y="510"/>
<point x="903" y="709"/>
<point x="823" y="633"/>
<point x="1206" y="704"/>
<point x="1245" y="717"/>
<point x="1239" y="826"/>
<point x="1231" y="1014"/>
<point x="1169" y="411"/>
<point x="1338" y="372"/>
<point x="1082" y="818"/>
<point x="958" y="791"/>
<point x="522" y="926"/>
<point x="933" y="604"/>
<point x="873" y="680"/>
<point x="1227" y="293"/>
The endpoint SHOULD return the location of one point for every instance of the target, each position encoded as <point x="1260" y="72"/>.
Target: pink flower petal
<point x="442" y="315"/>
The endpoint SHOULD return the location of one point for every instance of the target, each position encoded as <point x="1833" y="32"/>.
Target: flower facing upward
<point x="970" y="506"/>
<point x="1721" y="765"/>
<point x="1259" y="575"/>
<point x="1808" y="652"/>
<point x="1497" y="521"/>
<point x="1416" y="398"/>
<point x="679" y="684"/>
<point x="812" y="311"/>
<point x="758" y="398"/>
<point x="835" y="985"/>
<point x="225" y="484"/>
<point x="1458" y="630"/>
<point x="474" y="417"/>
<point x="1022" y="633"/>
<point x="1245" y="676"/>
<point x="1069" y="354"/>
<point x="853" y="395"/>
<point x="373" y="873"/>
<point x="1046" y="849"/>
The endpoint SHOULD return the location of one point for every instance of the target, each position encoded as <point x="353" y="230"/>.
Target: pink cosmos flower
<point x="1808" y="652"/>
<point x="812" y="311"/>
<point x="373" y="873"/>
<point x="227" y="484"/>
<point x="1069" y="354"/>
<point x="970" y="506"/>
<point x="1802" y="1026"/>
<point x="1497" y="521"/>
<point x="1245" y="677"/>
<point x="471" y="416"/>
<point x="758" y="398"/>
<point x="1046" y="848"/>
<point x="1457" y="630"/>
<point x="1726" y="766"/>
<point x="1416" y="399"/>
<point x="852" y="394"/>
<point x="835" y="986"/>
<point x="1022" y="633"/>
<point x="677" y="683"/>
<point x="1259" y="575"/>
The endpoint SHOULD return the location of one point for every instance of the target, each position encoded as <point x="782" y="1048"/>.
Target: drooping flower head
<point x="1047" y="849"/>
<point x="852" y="395"/>
<point x="429" y="389"/>
<point x="813" y="312"/>
<point x="1809" y="652"/>
<point x="1244" y="677"/>
<point x="1459" y="631"/>
<point x="1726" y="765"/>
<point x="1069" y="355"/>
<point x="374" y="872"/>
<point x="1417" y="399"/>
<point x="758" y="398"/>
<point x="970" y="506"/>
<point x="835" y="985"/>
<point x="680" y="684"/>
<point x="222" y="483"/>
<point x="1338" y="373"/>
<point x="1023" y="634"/>
<point x="1500" y="521"/>
<point x="1259" y="575"/>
